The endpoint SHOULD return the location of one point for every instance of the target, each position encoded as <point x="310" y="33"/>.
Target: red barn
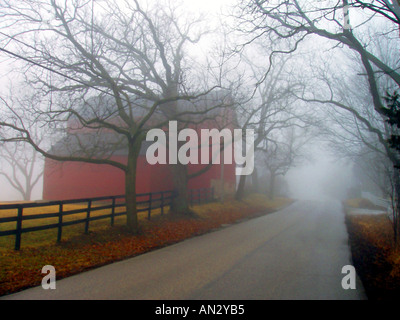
<point x="73" y="180"/>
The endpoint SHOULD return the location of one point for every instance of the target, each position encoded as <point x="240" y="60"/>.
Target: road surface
<point x="295" y="253"/>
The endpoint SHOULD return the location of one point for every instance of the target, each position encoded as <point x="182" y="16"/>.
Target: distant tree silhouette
<point x="393" y="114"/>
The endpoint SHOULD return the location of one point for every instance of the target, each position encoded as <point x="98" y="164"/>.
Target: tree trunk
<point x="27" y="193"/>
<point x="271" y="191"/>
<point x="222" y="181"/>
<point x="396" y="216"/>
<point x="254" y="181"/>
<point x="180" y="204"/>
<point x="241" y="188"/>
<point x="130" y="188"/>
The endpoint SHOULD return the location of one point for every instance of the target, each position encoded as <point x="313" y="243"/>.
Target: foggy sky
<point x="325" y="177"/>
<point x="305" y="181"/>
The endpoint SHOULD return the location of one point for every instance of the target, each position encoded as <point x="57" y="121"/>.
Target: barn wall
<point x="73" y="180"/>
<point x="212" y="179"/>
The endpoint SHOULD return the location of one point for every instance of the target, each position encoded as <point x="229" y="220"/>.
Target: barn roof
<point x="99" y="146"/>
<point x="205" y="106"/>
<point x="103" y="143"/>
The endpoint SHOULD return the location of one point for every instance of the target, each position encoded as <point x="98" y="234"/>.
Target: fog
<point x="322" y="179"/>
<point x="8" y="193"/>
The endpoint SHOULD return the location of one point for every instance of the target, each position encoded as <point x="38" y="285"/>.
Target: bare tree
<point x="388" y="9"/>
<point x="373" y="172"/>
<point x="330" y="20"/>
<point x="271" y="107"/>
<point x="21" y="169"/>
<point x="353" y="128"/>
<point x="283" y="152"/>
<point x="113" y="69"/>
<point x="325" y="19"/>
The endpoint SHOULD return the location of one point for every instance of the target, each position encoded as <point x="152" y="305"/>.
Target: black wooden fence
<point x="145" y="202"/>
<point x="200" y="195"/>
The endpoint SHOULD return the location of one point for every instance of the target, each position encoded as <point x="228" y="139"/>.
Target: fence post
<point x="162" y="203"/>
<point x="149" y="210"/>
<point x="19" y="228"/>
<point x="88" y="217"/>
<point x="60" y="220"/>
<point x="112" y="211"/>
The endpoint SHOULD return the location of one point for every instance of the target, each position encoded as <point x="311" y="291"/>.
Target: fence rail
<point x="380" y="202"/>
<point x="146" y="202"/>
<point x="200" y="195"/>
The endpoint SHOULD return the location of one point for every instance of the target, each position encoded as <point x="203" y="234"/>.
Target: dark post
<point x="88" y="216"/>
<point x="60" y="220"/>
<point x="112" y="211"/>
<point x="19" y="228"/>
<point x="162" y="203"/>
<point x="149" y="210"/>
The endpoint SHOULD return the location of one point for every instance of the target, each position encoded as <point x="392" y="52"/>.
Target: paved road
<point x="296" y="253"/>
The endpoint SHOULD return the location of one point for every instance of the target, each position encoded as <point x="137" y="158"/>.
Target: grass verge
<point x="104" y="244"/>
<point x="375" y="257"/>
